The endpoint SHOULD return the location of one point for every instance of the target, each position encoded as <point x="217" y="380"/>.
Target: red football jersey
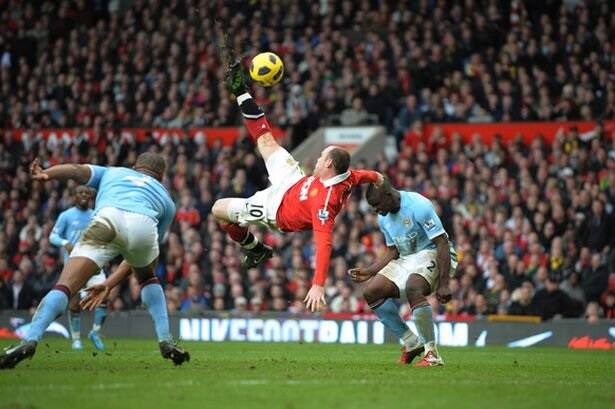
<point x="313" y="204"/>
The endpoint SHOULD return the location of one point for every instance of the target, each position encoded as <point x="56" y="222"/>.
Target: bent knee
<point x="370" y="295"/>
<point x="374" y="294"/>
<point x="219" y="209"/>
<point x="415" y="295"/>
<point x="144" y="274"/>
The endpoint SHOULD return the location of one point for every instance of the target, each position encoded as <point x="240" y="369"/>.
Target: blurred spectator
<point x="19" y="294"/>
<point x="551" y="302"/>
<point x="595" y="278"/>
<point x="598" y="228"/>
<point x="572" y="287"/>
<point x="609" y="305"/>
<point x="522" y="301"/>
<point x="240" y="304"/>
<point x="479" y="307"/>
<point x="592" y="312"/>
<point x="194" y="301"/>
<point x="355" y="115"/>
<point x="4" y="296"/>
<point x="345" y="301"/>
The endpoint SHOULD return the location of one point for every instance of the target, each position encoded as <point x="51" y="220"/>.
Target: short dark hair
<point x="374" y="191"/>
<point x="82" y="187"/>
<point x="341" y="159"/>
<point x="152" y="162"/>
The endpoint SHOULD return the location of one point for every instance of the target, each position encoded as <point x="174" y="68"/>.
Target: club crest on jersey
<point x="429" y="224"/>
<point x="407" y="222"/>
<point x="323" y="215"/>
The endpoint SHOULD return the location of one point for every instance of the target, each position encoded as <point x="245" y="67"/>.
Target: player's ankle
<point x="431" y="346"/>
<point x="250" y="242"/>
<point x="410" y="340"/>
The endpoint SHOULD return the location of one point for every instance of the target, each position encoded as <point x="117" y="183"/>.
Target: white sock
<point x="410" y="340"/>
<point x="431" y="346"/>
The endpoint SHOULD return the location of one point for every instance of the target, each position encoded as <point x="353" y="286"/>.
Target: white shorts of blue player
<point x="423" y="263"/>
<point x="136" y="238"/>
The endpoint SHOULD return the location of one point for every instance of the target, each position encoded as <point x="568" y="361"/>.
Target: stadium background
<point x="531" y="216"/>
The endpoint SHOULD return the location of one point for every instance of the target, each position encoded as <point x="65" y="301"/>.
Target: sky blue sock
<point x="423" y="320"/>
<point x="100" y="313"/>
<point x="52" y="306"/>
<point x="388" y="314"/>
<point x="153" y="298"/>
<point x="74" y="322"/>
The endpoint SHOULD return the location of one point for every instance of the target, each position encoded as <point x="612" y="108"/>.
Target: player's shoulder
<point x="415" y="198"/>
<point x="65" y="213"/>
<point x="119" y="170"/>
<point x="71" y="211"/>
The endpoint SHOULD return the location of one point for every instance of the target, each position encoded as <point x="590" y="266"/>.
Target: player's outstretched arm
<point x="316" y="295"/>
<point x="362" y="274"/>
<point x="253" y="116"/>
<point x="97" y="294"/>
<point x="79" y="173"/>
<point x="368" y="176"/>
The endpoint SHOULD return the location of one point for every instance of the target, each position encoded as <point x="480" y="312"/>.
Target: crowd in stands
<point x="532" y="223"/>
<point x="137" y="63"/>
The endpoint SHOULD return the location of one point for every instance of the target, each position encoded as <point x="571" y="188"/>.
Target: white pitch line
<point x="297" y="382"/>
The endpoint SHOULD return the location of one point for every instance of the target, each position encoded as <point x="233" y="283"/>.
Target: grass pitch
<point x="132" y="374"/>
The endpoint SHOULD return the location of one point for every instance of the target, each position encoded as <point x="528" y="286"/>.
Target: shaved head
<point x="152" y="164"/>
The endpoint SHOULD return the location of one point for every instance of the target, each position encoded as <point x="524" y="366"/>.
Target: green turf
<point x="237" y="375"/>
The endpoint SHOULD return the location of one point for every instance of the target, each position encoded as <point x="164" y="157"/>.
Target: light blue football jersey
<point x="132" y="191"/>
<point x="413" y="227"/>
<point x="69" y="226"/>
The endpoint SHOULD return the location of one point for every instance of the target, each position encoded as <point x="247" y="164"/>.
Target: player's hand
<point x="235" y="79"/>
<point x="314" y="297"/>
<point x="37" y="172"/>
<point x="97" y="295"/>
<point x="443" y="294"/>
<point x="358" y="275"/>
<point x="68" y="247"/>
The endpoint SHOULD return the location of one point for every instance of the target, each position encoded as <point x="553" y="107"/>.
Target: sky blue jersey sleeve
<point x="56" y="237"/>
<point x="387" y="236"/>
<point x="97" y="172"/>
<point x="165" y="221"/>
<point x="426" y="216"/>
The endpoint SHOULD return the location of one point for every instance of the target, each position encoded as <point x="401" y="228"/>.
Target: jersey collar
<point x="335" y="179"/>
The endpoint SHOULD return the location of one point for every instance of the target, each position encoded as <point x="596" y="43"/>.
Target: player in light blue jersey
<point x="65" y="234"/>
<point x="419" y="261"/>
<point x="133" y="211"/>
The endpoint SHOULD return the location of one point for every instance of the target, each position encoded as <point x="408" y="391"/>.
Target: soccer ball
<point x="266" y="69"/>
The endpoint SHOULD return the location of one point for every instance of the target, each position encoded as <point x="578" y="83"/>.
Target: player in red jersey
<point x="294" y="201"/>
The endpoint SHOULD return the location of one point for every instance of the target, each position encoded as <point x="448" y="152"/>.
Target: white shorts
<point x="262" y="208"/>
<point x="95" y="279"/>
<point x="423" y="263"/>
<point x="114" y="232"/>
